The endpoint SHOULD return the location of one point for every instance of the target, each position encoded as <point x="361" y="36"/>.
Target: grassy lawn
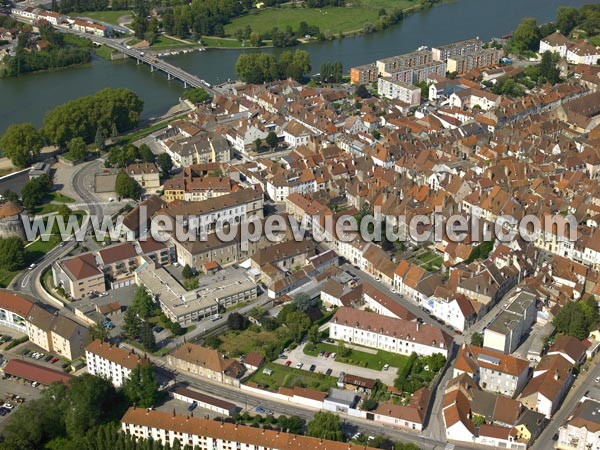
<point x="61" y="198"/>
<point x="332" y="19"/>
<point x="374" y="361"/>
<point x="6" y="277"/>
<point x="104" y="52"/>
<point x="236" y="343"/>
<point x="595" y="40"/>
<point x="225" y="42"/>
<point x="429" y="260"/>
<point x="134" y="136"/>
<point x="105" y="16"/>
<point x="290" y="377"/>
<point x="163" y="42"/>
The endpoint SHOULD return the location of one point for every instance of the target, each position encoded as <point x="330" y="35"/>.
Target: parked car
<point x="326" y="354"/>
<point x="386" y="367"/>
<point x="597" y="379"/>
<point x="288" y="363"/>
<point x="328" y="372"/>
<point x="299" y="365"/>
<point x="48" y="358"/>
<point x="312" y="368"/>
<point x="192" y="406"/>
<point x="333" y="355"/>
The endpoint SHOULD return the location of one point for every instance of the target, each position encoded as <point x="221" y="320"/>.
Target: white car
<point x="598" y="379"/>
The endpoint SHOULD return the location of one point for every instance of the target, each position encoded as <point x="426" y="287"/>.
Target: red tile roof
<point x="34" y="372"/>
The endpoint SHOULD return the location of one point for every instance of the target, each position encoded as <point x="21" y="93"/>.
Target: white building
<point x="205" y="434"/>
<point x="398" y="90"/>
<point x="387" y="333"/>
<point x="582" y="430"/>
<point x="507" y="330"/>
<point x="110" y="362"/>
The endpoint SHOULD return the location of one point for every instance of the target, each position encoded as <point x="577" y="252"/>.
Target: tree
<point x="76" y="149"/>
<point x="127" y="187"/>
<point x="146" y="154"/>
<point x="147" y="337"/>
<point x="187" y="272"/>
<point x="298" y="323"/>
<point x="577" y="318"/>
<point x="100" y="139"/>
<point x="566" y="19"/>
<point x="255" y="40"/>
<point x="526" y="35"/>
<point x="141" y="387"/>
<point x="361" y="91"/>
<point x="88" y="399"/>
<point x="12" y="253"/>
<point x="332" y="72"/>
<point x="292" y="424"/>
<point x="477" y="339"/>
<point x="196" y="95"/>
<point x="21" y="144"/>
<point x="98" y="332"/>
<point x="369" y="404"/>
<point x="131" y="324"/>
<point x="109" y="109"/>
<point x="257" y="144"/>
<point x="213" y="341"/>
<point x="35" y="190"/>
<point x="143" y="304"/>
<point x="237" y="321"/>
<point x="548" y="68"/>
<point x="325" y="425"/>
<point x="313" y="334"/>
<point x="165" y="163"/>
<point x="304" y="302"/>
<point x="272" y="139"/>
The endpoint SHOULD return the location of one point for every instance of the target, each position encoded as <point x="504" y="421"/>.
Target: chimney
<point x="556" y="375"/>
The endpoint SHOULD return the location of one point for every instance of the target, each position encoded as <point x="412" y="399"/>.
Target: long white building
<point x="205" y="434"/>
<point x="110" y="362"/>
<point x="388" y="333"/>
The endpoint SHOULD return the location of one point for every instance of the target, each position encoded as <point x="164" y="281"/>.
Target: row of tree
<point x="84" y="120"/>
<point x="527" y="35"/>
<point x="264" y="67"/>
<point x="58" y="54"/>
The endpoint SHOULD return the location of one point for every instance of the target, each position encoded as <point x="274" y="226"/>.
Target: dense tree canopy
<point x="12" y="253"/>
<point x="127" y="187"/>
<point x="76" y="149"/>
<point x="141" y="388"/>
<point x="325" y="425"/>
<point x="577" y="318"/>
<point x="21" y="144"/>
<point x="196" y="95"/>
<point x="165" y="163"/>
<point x="264" y="67"/>
<point x="108" y="108"/>
<point x="34" y="191"/>
<point x="526" y="36"/>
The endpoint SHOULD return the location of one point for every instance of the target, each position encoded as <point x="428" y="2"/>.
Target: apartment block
<point x="398" y="90"/>
<point x="363" y="74"/>
<point x="460" y="48"/>
<point x="387" y="333"/>
<point x="110" y="362"/>
<point x="461" y="64"/>
<point x="205" y="434"/>
<point x="508" y="329"/>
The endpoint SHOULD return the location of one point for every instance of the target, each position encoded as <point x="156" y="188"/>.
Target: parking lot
<point x="322" y="364"/>
<point x="10" y="389"/>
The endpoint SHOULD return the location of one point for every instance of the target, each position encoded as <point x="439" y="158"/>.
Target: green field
<point x="328" y="19"/>
<point x="374" y="361"/>
<point x="222" y="42"/>
<point x="290" y="377"/>
<point x="236" y="343"/>
<point x="163" y="43"/>
<point x="105" y="16"/>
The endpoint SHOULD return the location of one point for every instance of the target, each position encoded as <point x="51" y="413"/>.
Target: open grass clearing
<point x="374" y="361"/>
<point x="109" y="16"/>
<point x="334" y="19"/>
<point x="284" y="376"/>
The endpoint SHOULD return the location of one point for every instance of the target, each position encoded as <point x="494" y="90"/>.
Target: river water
<point x="26" y="99"/>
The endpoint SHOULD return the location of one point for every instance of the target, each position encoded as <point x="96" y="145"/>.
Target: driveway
<point x="297" y="355"/>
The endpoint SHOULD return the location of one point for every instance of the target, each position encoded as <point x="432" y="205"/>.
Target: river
<point x="26" y="99"/>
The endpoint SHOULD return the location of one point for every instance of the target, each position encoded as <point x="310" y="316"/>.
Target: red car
<point x="288" y="363"/>
<point x="326" y="354"/>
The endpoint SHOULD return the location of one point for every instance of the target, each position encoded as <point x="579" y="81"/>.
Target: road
<point x="28" y="281"/>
